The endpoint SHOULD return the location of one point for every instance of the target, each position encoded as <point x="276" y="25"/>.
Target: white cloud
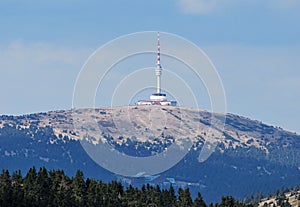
<point x="197" y="6"/>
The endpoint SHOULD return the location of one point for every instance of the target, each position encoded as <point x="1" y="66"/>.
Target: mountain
<point x="243" y="158"/>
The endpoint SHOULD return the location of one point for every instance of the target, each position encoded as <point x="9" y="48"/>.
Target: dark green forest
<point x="54" y="188"/>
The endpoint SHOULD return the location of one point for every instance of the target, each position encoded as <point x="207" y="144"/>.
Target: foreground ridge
<point x="55" y="188"/>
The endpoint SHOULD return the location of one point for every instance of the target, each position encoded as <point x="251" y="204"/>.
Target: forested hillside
<point x="55" y="188"/>
<point x="250" y="157"/>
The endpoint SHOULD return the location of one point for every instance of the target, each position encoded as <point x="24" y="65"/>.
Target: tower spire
<point x="158" y="98"/>
<point x="158" y="49"/>
<point x="158" y="69"/>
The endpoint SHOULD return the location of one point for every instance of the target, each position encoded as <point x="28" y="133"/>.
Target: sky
<point x="254" y="45"/>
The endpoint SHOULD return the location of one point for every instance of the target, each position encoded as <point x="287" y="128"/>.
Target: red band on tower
<point x="158" y="49"/>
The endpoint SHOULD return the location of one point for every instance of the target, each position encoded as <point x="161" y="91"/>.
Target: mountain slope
<point x="249" y="157"/>
<point x="289" y="198"/>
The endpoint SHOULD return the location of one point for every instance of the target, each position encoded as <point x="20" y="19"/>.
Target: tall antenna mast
<point x="158" y="69"/>
<point x="158" y="98"/>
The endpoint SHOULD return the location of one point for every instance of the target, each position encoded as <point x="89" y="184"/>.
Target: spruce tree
<point x="184" y="198"/>
<point x="227" y="201"/>
<point x="5" y="189"/>
<point x="17" y="192"/>
<point x="198" y="202"/>
<point x="78" y="189"/>
<point x="91" y="193"/>
<point x="30" y="188"/>
<point x="169" y="197"/>
<point x="43" y="187"/>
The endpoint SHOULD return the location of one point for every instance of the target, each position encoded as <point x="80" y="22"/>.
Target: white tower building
<point x="158" y="98"/>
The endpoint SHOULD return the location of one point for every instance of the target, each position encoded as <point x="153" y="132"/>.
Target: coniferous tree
<point x="169" y="197"/>
<point x="184" y="198"/>
<point x="116" y="191"/>
<point x="157" y="196"/>
<point x="54" y="188"/>
<point x="227" y="201"/>
<point x="91" y="198"/>
<point x="78" y="189"/>
<point x="144" y="195"/>
<point x="55" y="191"/>
<point x="17" y="191"/>
<point x="60" y="190"/>
<point x="199" y="202"/>
<point x="43" y="186"/>
<point x="65" y="190"/>
<point x="129" y="195"/>
<point x="181" y="198"/>
<point x="188" y="197"/>
<point x="172" y="196"/>
<point x="30" y="188"/>
<point x="5" y="188"/>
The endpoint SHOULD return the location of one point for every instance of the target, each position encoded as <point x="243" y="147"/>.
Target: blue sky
<point x="255" y="46"/>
